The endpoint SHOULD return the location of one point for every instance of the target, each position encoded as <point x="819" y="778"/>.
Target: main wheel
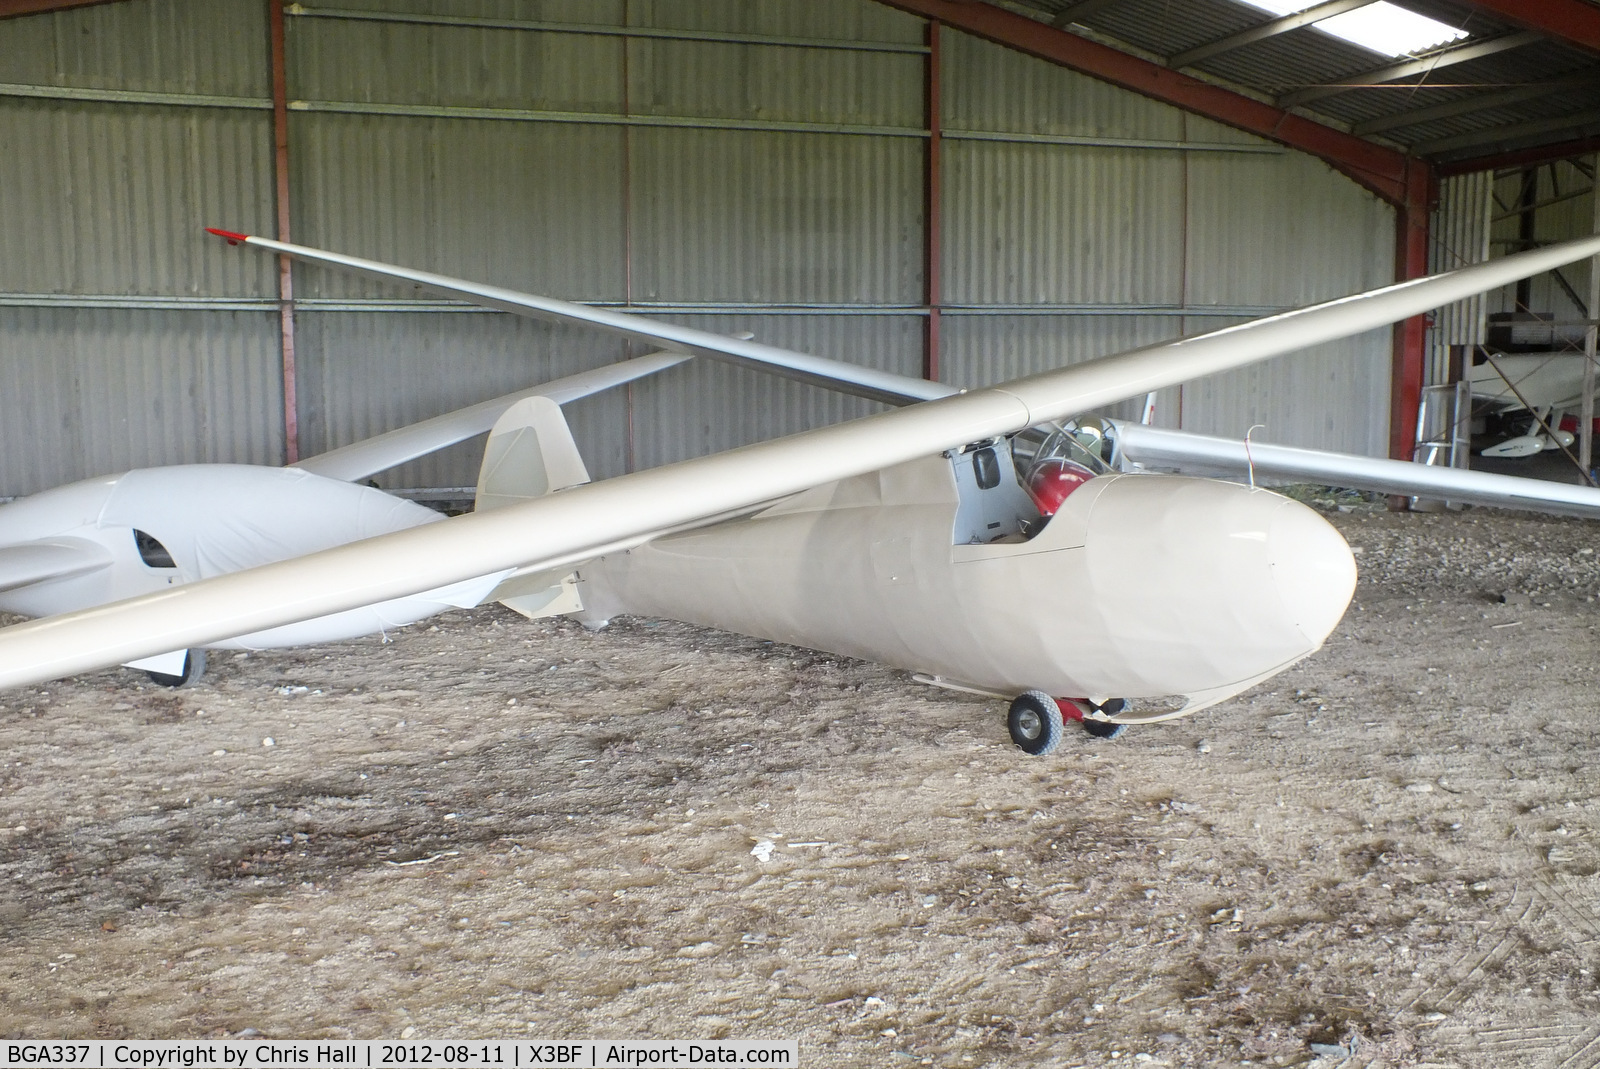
<point x="1100" y="729"/>
<point x="1034" y="722"/>
<point x="194" y="666"/>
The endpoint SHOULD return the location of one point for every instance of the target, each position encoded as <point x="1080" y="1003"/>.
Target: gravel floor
<point x="494" y="828"/>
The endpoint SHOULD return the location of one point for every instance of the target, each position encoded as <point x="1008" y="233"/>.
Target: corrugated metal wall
<point x="174" y="356"/>
<point x="697" y="158"/>
<point x="1460" y="236"/>
<point x="1184" y="219"/>
<point x="1563" y="191"/>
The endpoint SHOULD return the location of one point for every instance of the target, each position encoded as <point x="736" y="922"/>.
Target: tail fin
<point x="531" y="453"/>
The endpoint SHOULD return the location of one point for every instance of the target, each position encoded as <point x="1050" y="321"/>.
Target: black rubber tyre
<point x="1100" y="729"/>
<point x="1035" y="723"/>
<point x="194" y="666"/>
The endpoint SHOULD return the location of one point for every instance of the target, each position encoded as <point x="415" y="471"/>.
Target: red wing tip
<point x="233" y="239"/>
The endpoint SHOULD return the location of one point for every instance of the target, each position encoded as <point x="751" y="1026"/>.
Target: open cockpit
<point x="1009" y="488"/>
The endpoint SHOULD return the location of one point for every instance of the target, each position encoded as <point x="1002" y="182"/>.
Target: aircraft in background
<point x="117" y="536"/>
<point x="971" y="537"/>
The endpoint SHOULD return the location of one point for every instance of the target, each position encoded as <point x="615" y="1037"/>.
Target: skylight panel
<point x="1381" y="27"/>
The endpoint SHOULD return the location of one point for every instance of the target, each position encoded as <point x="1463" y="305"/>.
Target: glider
<point x="104" y="539"/>
<point x="942" y="537"/>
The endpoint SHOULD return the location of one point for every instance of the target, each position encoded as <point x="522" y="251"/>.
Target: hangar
<point x="967" y="192"/>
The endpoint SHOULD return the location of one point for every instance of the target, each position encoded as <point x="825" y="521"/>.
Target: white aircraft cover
<point x="203" y="514"/>
<point x="563" y="528"/>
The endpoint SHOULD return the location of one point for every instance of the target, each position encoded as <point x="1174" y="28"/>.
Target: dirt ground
<point x="491" y="828"/>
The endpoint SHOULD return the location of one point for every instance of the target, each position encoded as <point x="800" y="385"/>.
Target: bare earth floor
<point x="495" y="828"/>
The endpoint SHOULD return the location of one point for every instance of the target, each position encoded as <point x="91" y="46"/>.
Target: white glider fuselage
<point x="143" y="531"/>
<point x="1141" y="587"/>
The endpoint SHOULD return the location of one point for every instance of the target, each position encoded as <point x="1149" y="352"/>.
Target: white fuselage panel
<point x="1140" y="586"/>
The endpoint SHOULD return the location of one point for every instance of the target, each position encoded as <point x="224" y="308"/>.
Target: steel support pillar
<point x="280" y="162"/>
<point x="933" y="186"/>
<point x="1410" y="336"/>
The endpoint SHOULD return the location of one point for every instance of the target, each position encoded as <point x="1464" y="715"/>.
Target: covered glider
<point x="941" y="537"/>
<point x="117" y="536"/>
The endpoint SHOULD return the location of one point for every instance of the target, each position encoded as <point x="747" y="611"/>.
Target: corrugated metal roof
<point x="1151" y="25"/>
<point x="1275" y="67"/>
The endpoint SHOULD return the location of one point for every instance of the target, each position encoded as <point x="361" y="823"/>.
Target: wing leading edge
<point x="1171" y="450"/>
<point x="561" y="529"/>
<point x="819" y="371"/>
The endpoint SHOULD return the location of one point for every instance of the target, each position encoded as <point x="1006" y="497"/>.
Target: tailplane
<point x="530" y="453"/>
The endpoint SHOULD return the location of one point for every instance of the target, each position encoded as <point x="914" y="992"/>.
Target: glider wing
<point x="372" y="455"/>
<point x="562" y="528"/>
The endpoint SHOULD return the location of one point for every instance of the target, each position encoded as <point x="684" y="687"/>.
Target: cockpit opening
<point x="1008" y="490"/>
<point x="152" y="552"/>
<point x="1054" y="460"/>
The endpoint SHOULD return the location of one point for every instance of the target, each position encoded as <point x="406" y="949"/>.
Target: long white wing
<point x="878" y="385"/>
<point x="575" y="524"/>
<point x="380" y="452"/>
<point x="1198" y="454"/>
<point x="1165" y="449"/>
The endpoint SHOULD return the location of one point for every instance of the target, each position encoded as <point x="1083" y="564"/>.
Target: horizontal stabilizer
<point x="540" y="594"/>
<point x="381" y="452"/>
<point x="1198" y="454"/>
<point x="59" y="558"/>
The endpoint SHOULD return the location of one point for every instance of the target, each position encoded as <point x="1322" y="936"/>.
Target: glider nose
<point x="1312" y="568"/>
<point x="1196" y="584"/>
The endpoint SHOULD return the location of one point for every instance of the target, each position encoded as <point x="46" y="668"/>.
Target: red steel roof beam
<point x="10" y="9"/>
<point x="1527" y="157"/>
<point x="1573" y="21"/>
<point x="1380" y="169"/>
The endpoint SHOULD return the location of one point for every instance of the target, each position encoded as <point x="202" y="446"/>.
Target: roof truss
<point x="1383" y="170"/>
